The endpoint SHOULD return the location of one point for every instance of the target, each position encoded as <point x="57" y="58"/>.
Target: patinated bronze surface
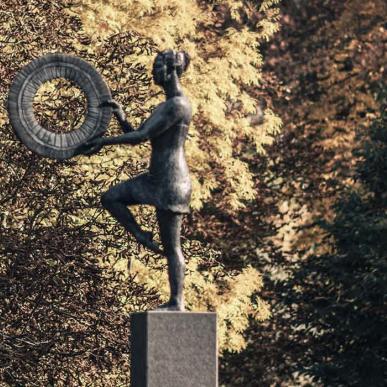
<point x="167" y="184"/>
<point x="22" y="92"/>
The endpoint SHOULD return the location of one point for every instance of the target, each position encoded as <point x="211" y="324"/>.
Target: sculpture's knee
<point x="107" y="200"/>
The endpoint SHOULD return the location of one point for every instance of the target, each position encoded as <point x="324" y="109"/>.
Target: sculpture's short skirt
<point x="165" y="194"/>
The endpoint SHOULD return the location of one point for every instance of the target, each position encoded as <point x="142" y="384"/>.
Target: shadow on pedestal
<point x="174" y="349"/>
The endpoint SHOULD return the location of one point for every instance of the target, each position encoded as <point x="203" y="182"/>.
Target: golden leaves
<point x="60" y="105"/>
<point x="222" y="65"/>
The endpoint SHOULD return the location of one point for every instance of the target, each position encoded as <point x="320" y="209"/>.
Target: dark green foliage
<point x="345" y="312"/>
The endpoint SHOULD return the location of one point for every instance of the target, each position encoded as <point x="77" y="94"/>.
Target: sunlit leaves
<point x="231" y="52"/>
<point x="60" y="106"/>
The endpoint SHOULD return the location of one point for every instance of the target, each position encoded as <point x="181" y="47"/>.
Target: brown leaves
<point x="62" y="316"/>
<point x="60" y="106"/>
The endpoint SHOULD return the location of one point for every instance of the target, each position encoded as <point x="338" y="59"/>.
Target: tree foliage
<point x="69" y="274"/>
<point x="346" y="301"/>
<point x="223" y="39"/>
<point x="322" y="70"/>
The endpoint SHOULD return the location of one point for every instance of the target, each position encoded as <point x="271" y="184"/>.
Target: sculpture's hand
<point x="117" y="108"/>
<point x="90" y="147"/>
<point x="118" y="111"/>
<point x="111" y="103"/>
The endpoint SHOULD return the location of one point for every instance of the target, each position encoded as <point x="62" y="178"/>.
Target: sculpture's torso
<point x="168" y="169"/>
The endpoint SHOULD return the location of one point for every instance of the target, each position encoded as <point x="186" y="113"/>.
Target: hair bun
<point x="182" y="62"/>
<point x="187" y="59"/>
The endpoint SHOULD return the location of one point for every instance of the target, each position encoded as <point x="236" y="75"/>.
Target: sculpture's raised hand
<point x="118" y="111"/>
<point x="111" y="103"/>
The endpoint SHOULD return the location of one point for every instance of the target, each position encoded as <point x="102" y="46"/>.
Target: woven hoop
<point x="24" y="88"/>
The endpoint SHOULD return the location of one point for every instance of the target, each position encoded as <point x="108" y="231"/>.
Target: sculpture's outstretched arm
<point x="166" y="115"/>
<point x="119" y="113"/>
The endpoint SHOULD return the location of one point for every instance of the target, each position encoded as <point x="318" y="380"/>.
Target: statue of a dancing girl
<point x="167" y="184"/>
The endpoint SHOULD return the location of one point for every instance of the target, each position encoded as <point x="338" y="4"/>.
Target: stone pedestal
<point x="174" y="349"/>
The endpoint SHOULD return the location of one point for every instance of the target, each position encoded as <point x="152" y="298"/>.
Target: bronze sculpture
<point x="167" y="185"/>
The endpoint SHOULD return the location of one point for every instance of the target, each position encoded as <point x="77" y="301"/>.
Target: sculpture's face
<point x="159" y="75"/>
<point x="163" y="66"/>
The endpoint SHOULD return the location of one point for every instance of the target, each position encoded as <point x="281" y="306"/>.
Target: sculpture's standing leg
<point x="170" y="227"/>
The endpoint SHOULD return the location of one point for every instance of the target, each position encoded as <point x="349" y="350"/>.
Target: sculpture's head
<point x="166" y="63"/>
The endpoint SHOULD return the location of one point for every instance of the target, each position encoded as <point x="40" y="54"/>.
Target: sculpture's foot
<point x="146" y="239"/>
<point x="170" y="306"/>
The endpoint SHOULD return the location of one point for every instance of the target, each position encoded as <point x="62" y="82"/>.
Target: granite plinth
<point x="174" y="349"/>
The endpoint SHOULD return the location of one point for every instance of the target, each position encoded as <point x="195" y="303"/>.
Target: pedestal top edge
<point x="171" y="312"/>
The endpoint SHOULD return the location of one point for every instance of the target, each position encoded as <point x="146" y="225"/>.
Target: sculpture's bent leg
<point x="116" y="200"/>
<point x="170" y="226"/>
